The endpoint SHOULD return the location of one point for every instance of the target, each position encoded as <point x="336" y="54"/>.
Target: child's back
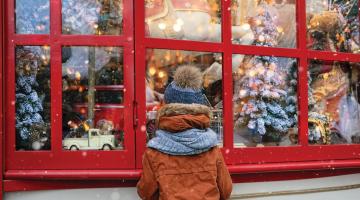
<point x="183" y="161"/>
<point x="202" y="176"/>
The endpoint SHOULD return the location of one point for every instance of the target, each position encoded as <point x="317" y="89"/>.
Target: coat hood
<point x="183" y="109"/>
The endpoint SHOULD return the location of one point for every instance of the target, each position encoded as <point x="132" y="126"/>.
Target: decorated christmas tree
<point x="317" y="121"/>
<point x="261" y="95"/>
<point x="29" y="105"/>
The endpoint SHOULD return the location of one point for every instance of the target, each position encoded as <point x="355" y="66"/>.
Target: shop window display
<point x="161" y="64"/>
<point x="333" y="25"/>
<point x="32" y="92"/>
<point x="264" y="21"/>
<point x="334" y="109"/>
<point x="92" y="98"/>
<point x="265" y="102"/>
<point x="183" y="20"/>
<point x="32" y="17"/>
<point x="92" y="17"/>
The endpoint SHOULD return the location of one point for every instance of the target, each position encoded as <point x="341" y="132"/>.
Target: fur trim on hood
<point x="183" y="109"/>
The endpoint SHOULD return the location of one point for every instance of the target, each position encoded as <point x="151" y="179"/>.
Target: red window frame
<point x="57" y="158"/>
<point x="251" y="159"/>
<point x="39" y="164"/>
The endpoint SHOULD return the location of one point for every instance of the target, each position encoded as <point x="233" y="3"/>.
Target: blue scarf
<point x="188" y="142"/>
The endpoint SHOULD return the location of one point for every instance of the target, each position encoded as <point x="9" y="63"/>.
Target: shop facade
<point x="82" y="82"/>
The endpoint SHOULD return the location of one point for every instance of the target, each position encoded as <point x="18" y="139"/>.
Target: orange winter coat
<point x="166" y="177"/>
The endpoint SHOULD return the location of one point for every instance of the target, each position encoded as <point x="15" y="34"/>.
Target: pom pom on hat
<point x="186" y="86"/>
<point x="188" y="77"/>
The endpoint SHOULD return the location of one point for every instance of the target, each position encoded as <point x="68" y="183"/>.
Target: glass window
<point x="161" y="65"/>
<point x="334" y="109"/>
<point x="264" y="101"/>
<point x="269" y="23"/>
<point x="333" y="25"/>
<point x="92" y="83"/>
<point x="183" y="20"/>
<point x="32" y="94"/>
<point x="32" y="17"/>
<point x="92" y="17"/>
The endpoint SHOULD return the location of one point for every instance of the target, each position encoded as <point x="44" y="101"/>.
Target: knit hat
<point x="186" y="86"/>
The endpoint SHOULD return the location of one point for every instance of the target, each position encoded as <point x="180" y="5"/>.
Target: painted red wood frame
<point x="57" y="158"/>
<point x="250" y="159"/>
<point x="2" y="97"/>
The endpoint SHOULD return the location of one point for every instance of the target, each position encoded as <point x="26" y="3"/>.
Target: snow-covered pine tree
<point x="314" y="135"/>
<point x="32" y="16"/>
<point x="28" y="103"/>
<point x="291" y="97"/>
<point x="261" y="95"/>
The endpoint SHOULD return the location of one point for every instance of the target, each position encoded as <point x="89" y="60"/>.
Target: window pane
<point x="32" y="94"/>
<point x="32" y="17"/>
<point x="161" y="65"/>
<point x="265" y="101"/>
<point x="92" y="82"/>
<point x="183" y="20"/>
<point x="92" y="17"/>
<point x="334" y="109"/>
<point x="264" y="23"/>
<point x="333" y="25"/>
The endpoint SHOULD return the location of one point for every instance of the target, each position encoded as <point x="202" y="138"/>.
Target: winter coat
<point x="184" y="164"/>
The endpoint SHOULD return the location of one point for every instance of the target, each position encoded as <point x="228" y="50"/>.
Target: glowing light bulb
<point x="261" y="38"/>
<point x="161" y="74"/>
<point x="246" y="26"/>
<point x="162" y="26"/>
<point x="242" y="93"/>
<point x="177" y="27"/>
<point x="77" y="75"/>
<point x="152" y="71"/>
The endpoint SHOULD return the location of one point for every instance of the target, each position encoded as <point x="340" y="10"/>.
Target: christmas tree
<point x="261" y="97"/>
<point x="29" y="106"/>
<point x="32" y="16"/>
<point x="315" y="118"/>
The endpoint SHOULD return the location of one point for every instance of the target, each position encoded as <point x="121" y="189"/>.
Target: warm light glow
<point x="252" y="73"/>
<point x="77" y="75"/>
<point x="242" y="93"/>
<point x="261" y="38"/>
<point x="161" y="74"/>
<point x="177" y="27"/>
<point x="246" y="26"/>
<point x="258" y="22"/>
<point x="162" y="26"/>
<point x="152" y="71"/>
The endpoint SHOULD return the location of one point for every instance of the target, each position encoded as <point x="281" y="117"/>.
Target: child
<point x="183" y="161"/>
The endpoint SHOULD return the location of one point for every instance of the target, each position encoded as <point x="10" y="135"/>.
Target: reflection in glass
<point x="92" y="83"/>
<point x="333" y="25"/>
<point x="334" y="109"/>
<point x="265" y="101"/>
<point x="32" y="17"/>
<point x="264" y="23"/>
<point x="183" y="20"/>
<point x="161" y="64"/>
<point x="92" y="17"/>
<point x="32" y="92"/>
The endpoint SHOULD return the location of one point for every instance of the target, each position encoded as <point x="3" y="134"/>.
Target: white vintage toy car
<point x="94" y="141"/>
